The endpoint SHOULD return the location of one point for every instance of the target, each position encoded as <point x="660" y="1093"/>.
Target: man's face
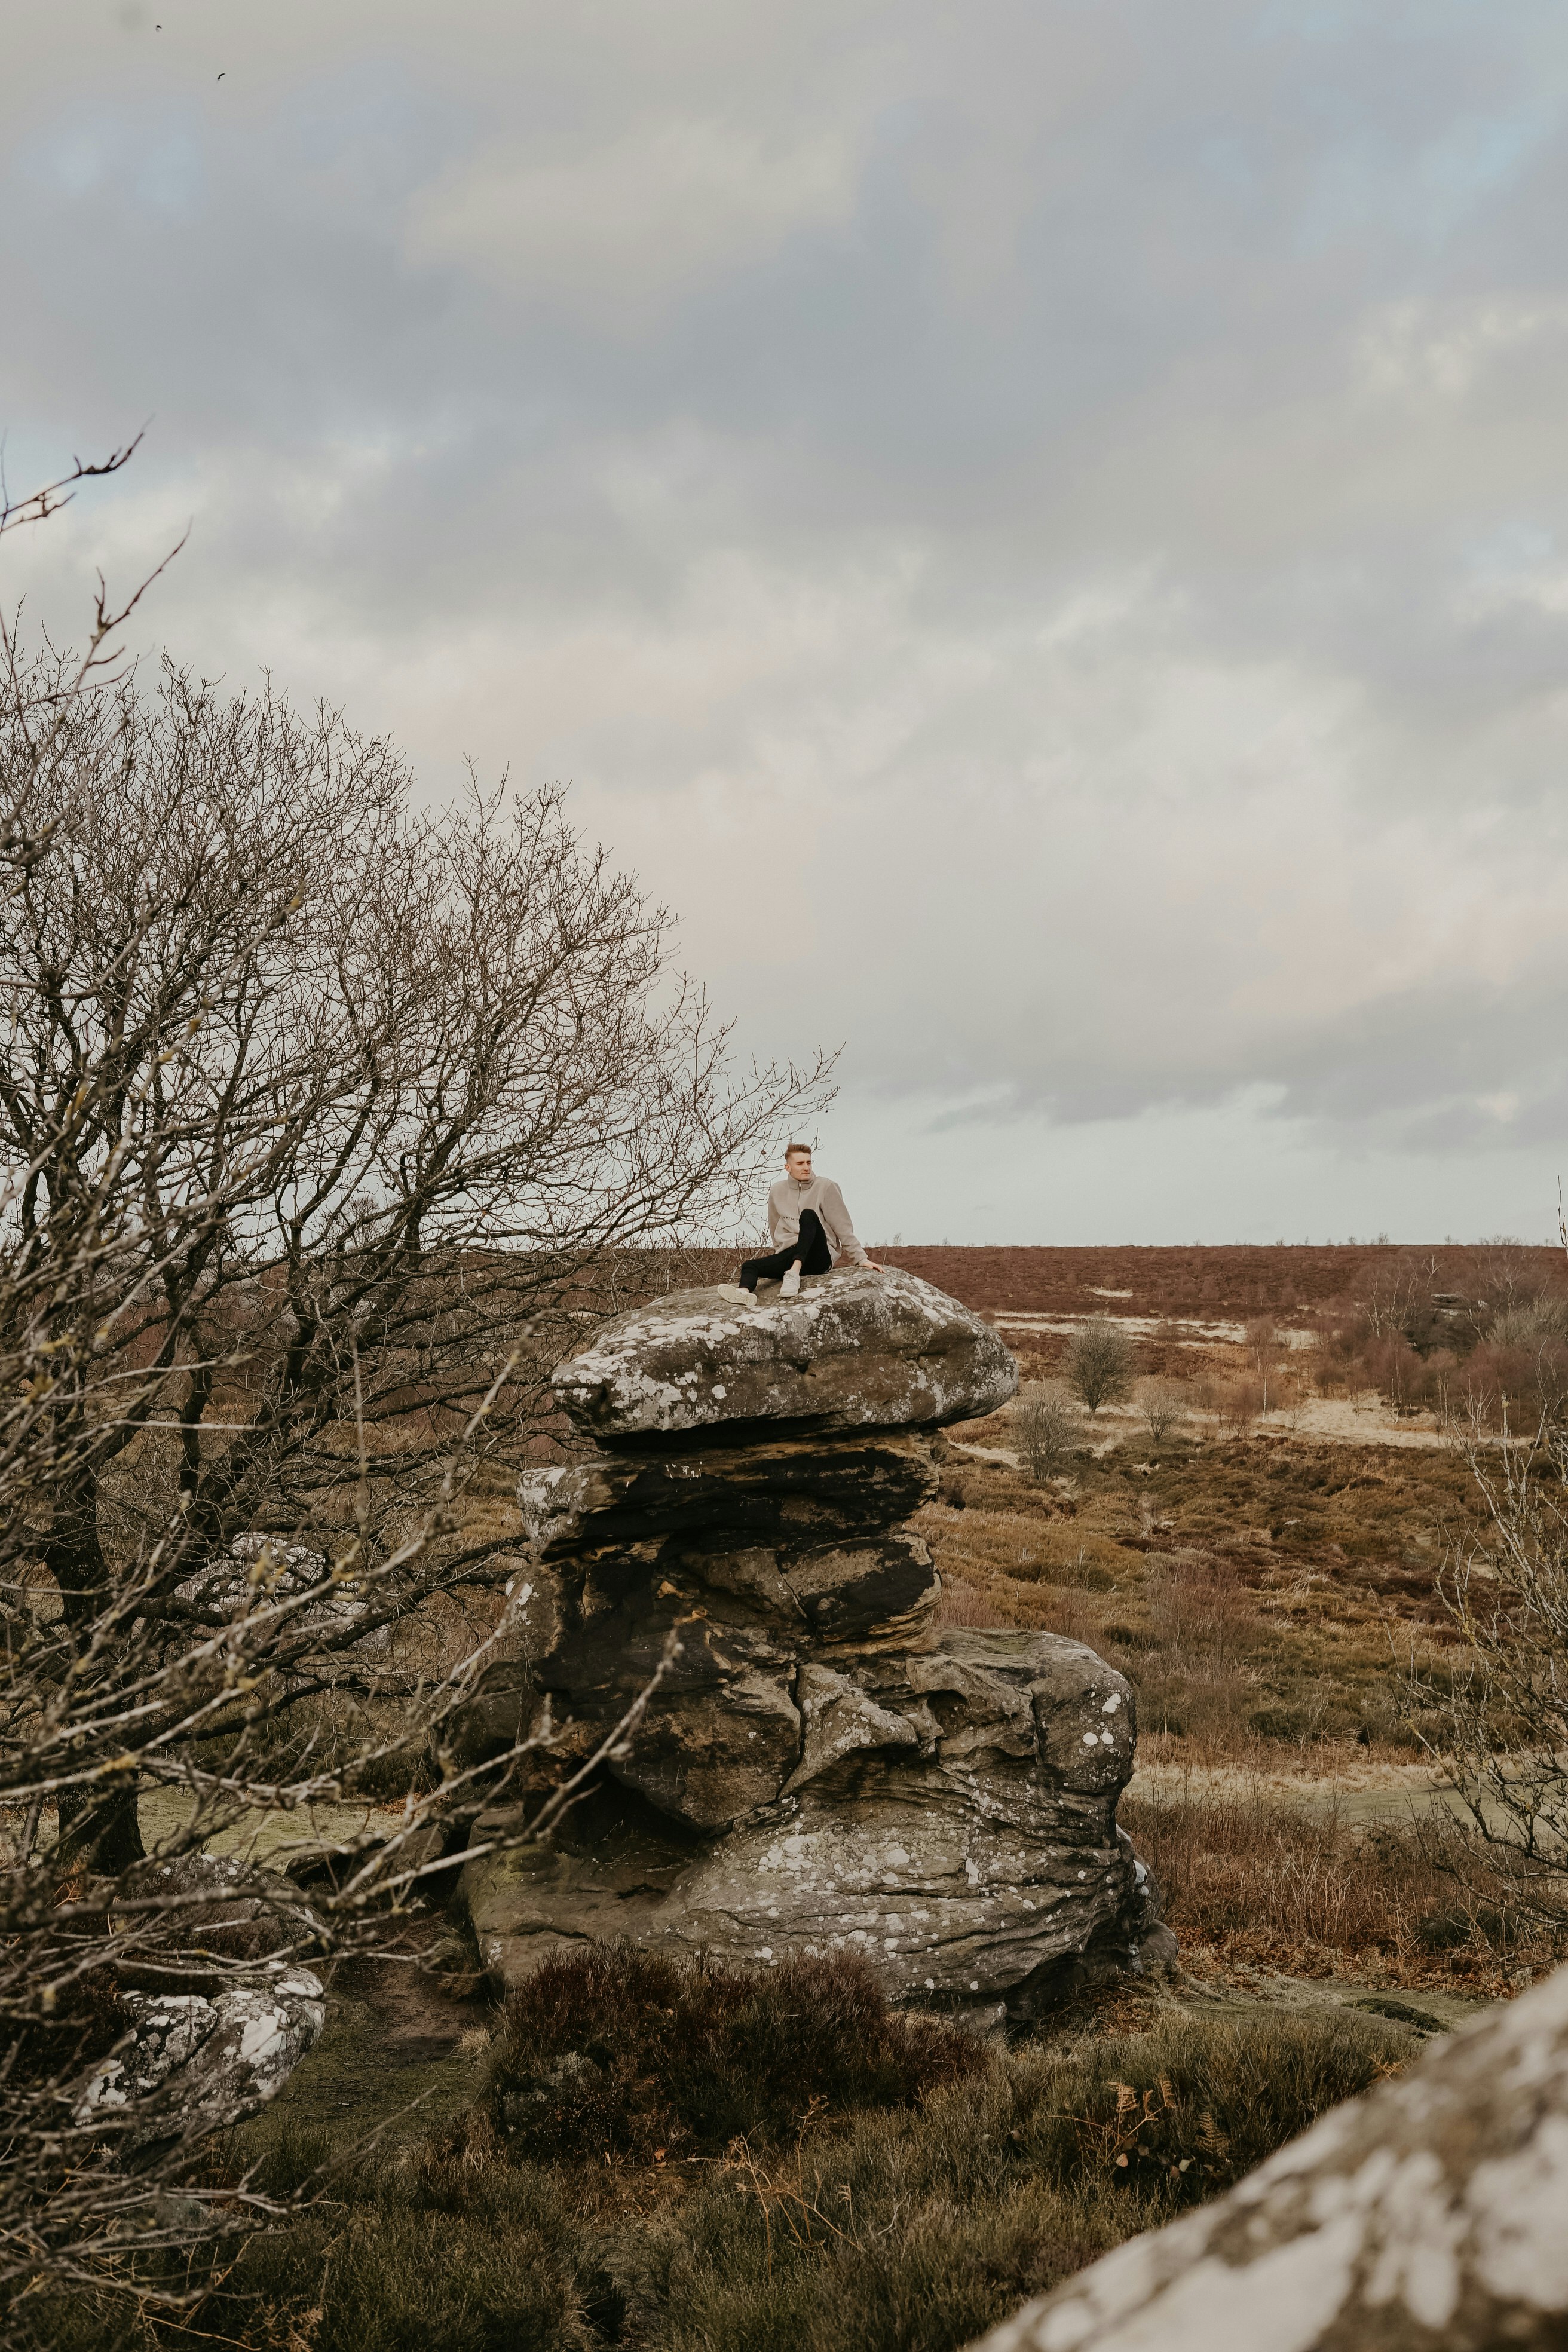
<point x="798" y="1164"/>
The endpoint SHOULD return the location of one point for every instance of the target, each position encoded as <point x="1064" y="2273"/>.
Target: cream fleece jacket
<point x="785" y="1203"/>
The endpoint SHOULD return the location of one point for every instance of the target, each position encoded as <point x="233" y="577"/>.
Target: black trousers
<point x="811" y="1249"/>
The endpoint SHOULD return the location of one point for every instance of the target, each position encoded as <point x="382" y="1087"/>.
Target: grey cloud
<point x="1090" y="476"/>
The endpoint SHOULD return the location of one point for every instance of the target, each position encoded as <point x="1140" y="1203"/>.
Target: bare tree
<point x="1498" y="1720"/>
<point x="1266" y="1352"/>
<point x="1500" y="1716"/>
<point x="1163" y="1405"/>
<point x="1048" y="1427"/>
<point x="320" y="1122"/>
<point x="1098" y="1367"/>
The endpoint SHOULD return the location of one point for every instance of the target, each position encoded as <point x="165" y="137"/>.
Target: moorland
<point x="1255" y="1529"/>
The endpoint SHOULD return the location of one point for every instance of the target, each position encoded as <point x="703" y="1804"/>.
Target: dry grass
<point x="897" y="2229"/>
<point x="1259" y="1592"/>
<point x="1248" y="1877"/>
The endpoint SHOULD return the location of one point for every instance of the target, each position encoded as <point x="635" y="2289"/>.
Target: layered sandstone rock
<point x="820" y="1768"/>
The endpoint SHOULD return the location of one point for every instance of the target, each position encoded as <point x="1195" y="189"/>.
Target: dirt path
<point x="1252" y="1990"/>
<point x="1376" y="1792"/>
<point x="399" y="2057"/>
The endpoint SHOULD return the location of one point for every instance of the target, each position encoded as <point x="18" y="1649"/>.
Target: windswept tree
<point x="323" y="1124"/>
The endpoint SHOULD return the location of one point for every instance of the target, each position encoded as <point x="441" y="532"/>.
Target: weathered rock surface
<point x="1428" y="2217"/>
<point x="948" y="1821"/>
<point x="778" y="1482"/>
<point x="211" y="2062"/>
<point x="861" y="1348"/>
<point x="819" y="1770"/>
<point x="264" y="1569"/>
<point x="198" y="2061"/>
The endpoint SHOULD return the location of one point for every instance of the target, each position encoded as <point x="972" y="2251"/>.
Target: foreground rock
<point x="1430" y="2214"/>
<point x="821" y="1769"/>
<point x="200" y="2059"/>
<point x="193" y="2066"/>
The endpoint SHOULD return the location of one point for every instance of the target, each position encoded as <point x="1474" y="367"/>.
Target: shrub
<point x="1163" y="1405"/>
<point x="1099" y="1364"/>
<point x="914" y="2236"/>
<point x="618" y="2050"/>
<point x="1196" y="2103"/>
<point x="1047" y="1425"/>
<point x="1236" y="1404"/>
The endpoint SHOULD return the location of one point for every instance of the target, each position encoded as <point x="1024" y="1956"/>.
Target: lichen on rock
<point x="196" y="2061"/>
<point x="1428" y="2214"/>
<point x="862" y="1347"/>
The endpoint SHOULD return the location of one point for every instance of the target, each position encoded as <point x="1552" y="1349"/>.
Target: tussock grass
<point x="898" y="2226"/>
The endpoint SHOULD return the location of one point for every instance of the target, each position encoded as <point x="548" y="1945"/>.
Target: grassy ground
<point x="822" y="2203"/>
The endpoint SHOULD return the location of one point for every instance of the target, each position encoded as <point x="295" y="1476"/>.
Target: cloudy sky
<point x="1040" y="528"/>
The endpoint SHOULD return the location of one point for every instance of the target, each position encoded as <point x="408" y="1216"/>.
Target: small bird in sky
<point x="220" y="77"/>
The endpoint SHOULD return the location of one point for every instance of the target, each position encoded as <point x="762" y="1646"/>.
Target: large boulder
<point x="862" y="1347"/>
<point x="1428" y="2217"/>
<point x="952" y="1821"/>
<point x="947" y="1814"/>
<point x="819" y="1769"/>
<point x="191" y="2065"/>
<point x="230" y="2012"/>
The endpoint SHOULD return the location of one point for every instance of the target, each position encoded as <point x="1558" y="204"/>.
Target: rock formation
<point x="1429" y="2213"/>
<point x="821" y="1769"/>
<point x="199" y="2060"/>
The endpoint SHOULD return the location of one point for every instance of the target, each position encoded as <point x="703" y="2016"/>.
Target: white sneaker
<point x="791" y="1283"/>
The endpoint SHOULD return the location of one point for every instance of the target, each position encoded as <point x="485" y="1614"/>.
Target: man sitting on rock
<point x="808" y="1225"/>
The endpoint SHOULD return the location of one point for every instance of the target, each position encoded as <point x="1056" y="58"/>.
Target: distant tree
<point x="1266" y="1351"/>
<point x="1046" y="1421"/>
<point x="1163" y="1406"/>
<point x="1098" y="1367"/>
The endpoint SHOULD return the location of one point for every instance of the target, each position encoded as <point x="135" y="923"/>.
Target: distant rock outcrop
<point x="822" y="1769"/>
<point x="1430" y="2214"/>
